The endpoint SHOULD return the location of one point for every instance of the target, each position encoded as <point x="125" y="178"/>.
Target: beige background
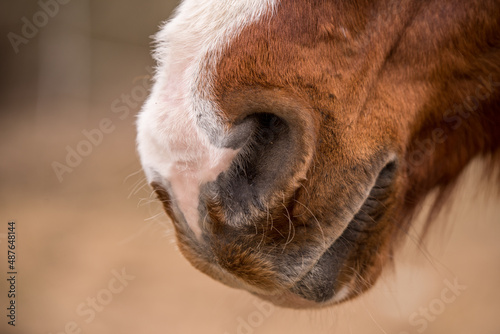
<point x="73" y="233"/>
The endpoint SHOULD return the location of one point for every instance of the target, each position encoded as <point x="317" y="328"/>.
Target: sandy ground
<point x="95" y="252"/>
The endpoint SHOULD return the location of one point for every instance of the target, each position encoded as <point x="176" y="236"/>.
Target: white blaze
<point x="170" y="142"/>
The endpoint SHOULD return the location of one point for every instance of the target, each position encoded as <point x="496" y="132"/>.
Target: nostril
<point x="264" y="157"/>
<point x="275" y="137"/>
<point x="269" y="128"/>
<point x="256" y="130"/>
<point x="239" y="134"/>
<point x="267" y="137"/>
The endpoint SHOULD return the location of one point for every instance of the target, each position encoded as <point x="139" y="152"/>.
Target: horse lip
<point x="318" y="284"/>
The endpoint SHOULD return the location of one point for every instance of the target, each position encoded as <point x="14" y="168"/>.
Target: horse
<point x="293" y="142"/>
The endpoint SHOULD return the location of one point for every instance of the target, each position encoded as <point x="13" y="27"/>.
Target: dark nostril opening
<point x="259" y="129"/>
<point x="266" y="136"/>
<point x="265" y="157"/>
<point x="263" y="148"/>
<point x="268" y="128"/>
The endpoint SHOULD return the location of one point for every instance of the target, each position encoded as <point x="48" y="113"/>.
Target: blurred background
<point x="95" y="252"/>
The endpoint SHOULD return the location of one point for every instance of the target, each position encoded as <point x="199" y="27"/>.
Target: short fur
<point x="342" y="117"/>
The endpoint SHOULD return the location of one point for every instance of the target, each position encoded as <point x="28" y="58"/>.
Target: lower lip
<point x="291" y="300"/>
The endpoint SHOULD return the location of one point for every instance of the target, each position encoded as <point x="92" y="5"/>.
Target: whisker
<point x="265" y="230"/>
<point x="290" y="225"/>
<point x="372" y="317"/>
<point x="319" y="225"/>
<point x="137" y="187"/>
<point x="159" y="214"/>
<point x="132" y="174"/>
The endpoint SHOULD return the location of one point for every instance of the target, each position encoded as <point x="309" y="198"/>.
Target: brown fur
<point x="355" y="82"/>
